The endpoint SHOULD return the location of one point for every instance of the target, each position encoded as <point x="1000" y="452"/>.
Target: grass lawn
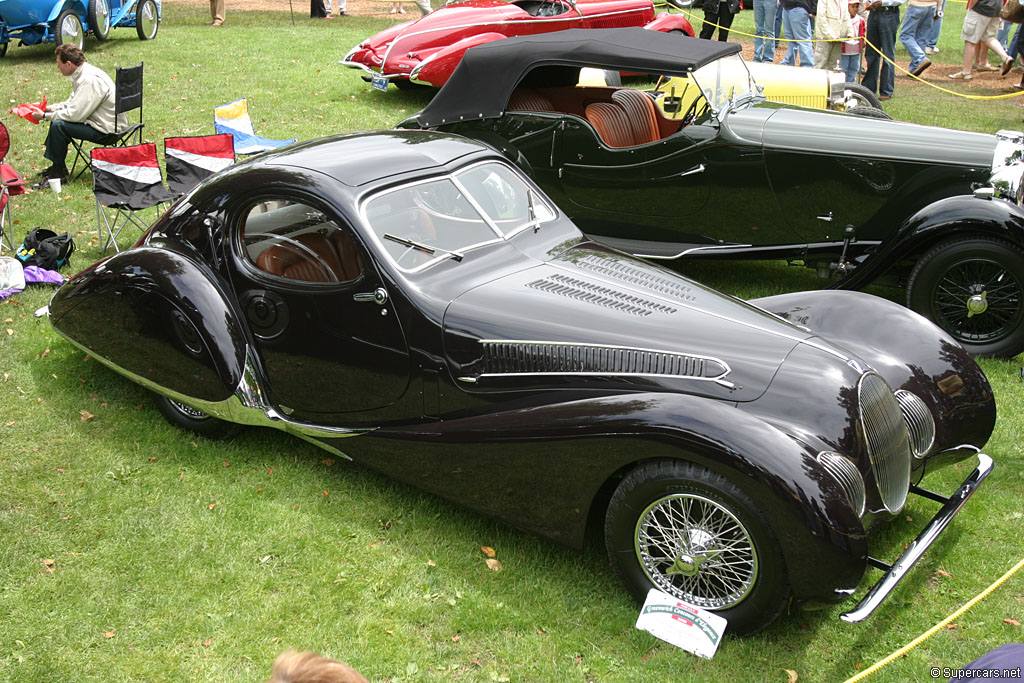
<point x="130" y="550"/>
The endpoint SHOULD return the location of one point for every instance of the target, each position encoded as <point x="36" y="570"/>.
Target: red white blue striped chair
<point x="190" y="160"/>
<point x="126" y="180"/>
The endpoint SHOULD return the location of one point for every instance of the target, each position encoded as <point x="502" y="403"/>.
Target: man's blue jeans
<point x="59" y="137"/>
<point x="797" y="24"/>
<point x="764" y="28"/>
<point x="881" y="32"/>
<point x="914" y="33"/>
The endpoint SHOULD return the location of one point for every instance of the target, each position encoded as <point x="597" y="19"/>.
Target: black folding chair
<point x="126" y="180"/>
<point x="127" y="98"/>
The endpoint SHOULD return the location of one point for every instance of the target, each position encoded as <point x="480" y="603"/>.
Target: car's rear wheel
<point x="973" y="288"/>
<point x="147" y="20"/>
<point x="695" y="535"/>
<point x="69" y="29"/>
<point x="99" y="18"/>
<point x="194" y="420"/>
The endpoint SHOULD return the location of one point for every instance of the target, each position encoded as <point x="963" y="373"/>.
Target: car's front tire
<point x="69" y="29"/>
<point x="973" y="288"/>
<point x="196" y="421"/>
<point x="695" y="535"/>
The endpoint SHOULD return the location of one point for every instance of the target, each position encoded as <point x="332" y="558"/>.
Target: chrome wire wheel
<point x="697" y="550"/>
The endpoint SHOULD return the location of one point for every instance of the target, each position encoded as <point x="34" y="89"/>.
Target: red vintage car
<point x="427" y="50"/>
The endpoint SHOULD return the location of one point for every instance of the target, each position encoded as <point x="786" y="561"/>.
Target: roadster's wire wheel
<point x="697" y="550"/>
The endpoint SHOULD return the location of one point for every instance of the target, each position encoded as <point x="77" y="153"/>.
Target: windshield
<point x="428" y="221"/>
<point x="725" y="80"/>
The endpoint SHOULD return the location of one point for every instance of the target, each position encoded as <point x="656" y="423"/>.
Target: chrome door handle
<point x="378" y="296"/>
<point x="699" y="168"/>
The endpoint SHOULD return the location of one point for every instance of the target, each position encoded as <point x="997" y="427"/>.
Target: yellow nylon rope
<point x="935" y="629"/>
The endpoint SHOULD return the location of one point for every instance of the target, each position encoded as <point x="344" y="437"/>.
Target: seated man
<point x="88" y="114"/>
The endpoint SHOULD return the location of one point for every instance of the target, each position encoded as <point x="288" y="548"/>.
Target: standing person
<point x="88" y="114"/>
<point x="764" y="28"/>
<point x="852" y="47"/>
<point x="216" y="13"/>
<point x="720" y="12"/>
<point x="883" y="19"/>
<point x="980" y="25"/>
<point x="831" y="22"/>
<point x="796" y="21"/>
<point x="932" y="46"/>
<point x="914" y="33"/>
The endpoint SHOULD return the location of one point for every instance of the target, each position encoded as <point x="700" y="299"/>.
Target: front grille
<point x="886" y="438"/>
<point x="920" y="423"/>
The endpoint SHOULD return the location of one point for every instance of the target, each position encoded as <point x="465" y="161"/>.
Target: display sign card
<point x="685" y="626"/>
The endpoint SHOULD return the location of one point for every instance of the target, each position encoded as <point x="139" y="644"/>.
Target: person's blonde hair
<point x="309" y="667"/>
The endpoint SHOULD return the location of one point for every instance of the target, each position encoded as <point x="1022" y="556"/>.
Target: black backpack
<point x="46" y="249"/>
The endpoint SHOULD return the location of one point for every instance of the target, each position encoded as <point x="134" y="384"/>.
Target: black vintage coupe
<point x="411" y="300"/>
<point x="705" y="167"/>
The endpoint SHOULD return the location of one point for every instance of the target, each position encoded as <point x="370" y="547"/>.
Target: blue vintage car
<point x="67" y="21"/>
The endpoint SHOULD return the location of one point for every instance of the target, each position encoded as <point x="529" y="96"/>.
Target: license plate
<point x="379" y="82"/>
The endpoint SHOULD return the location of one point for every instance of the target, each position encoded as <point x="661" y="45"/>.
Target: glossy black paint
<point x="538" y="450"/>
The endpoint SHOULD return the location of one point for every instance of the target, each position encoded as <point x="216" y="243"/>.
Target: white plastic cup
<point x="54" y="184"/>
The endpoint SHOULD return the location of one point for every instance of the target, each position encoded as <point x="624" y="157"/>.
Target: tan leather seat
<point x="351" y="264"/>
<point x="309" y="257"/>
<point x="642" y="113"/>
<point x="526" y="99"/>
<point x="612" y="123"/>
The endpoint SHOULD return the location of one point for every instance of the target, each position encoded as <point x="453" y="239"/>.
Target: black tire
<point x="755" y="589"/>
<point x="861" y="96"/>
<point x="868" y="112"/>
<point x="973" y="288"/>
<point x="147" y="19"/>
<point x="406" y="84"/>
<point x="196" y="421"/>
<point x="99" y="18"/>
<point x="69" y="29"/>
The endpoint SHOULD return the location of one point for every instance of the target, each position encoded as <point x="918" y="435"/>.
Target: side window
<point x="295" y="241"/>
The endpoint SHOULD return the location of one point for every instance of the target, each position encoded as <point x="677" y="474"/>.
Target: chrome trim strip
<point x="881" y="590"/>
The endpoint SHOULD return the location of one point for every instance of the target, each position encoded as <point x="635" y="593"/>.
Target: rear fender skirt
<point x="954" y="216"/>
<point x="541" y="468"/>
<point x="157" y="315"/>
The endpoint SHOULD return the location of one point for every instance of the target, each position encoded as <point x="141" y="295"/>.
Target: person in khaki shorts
<point x="980" y="26"/>
<point x="216" y="12"/>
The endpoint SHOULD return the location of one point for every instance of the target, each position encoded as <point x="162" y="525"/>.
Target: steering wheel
<point x="328" y="272"/>
<point x="423" y="232"/>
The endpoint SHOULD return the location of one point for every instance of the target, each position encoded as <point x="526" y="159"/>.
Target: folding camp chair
<point x="127" y="180"/>
<point x="127" y="98"/>
<point x="10" y="183"/>
<point x="233" y="118"/>
<point x="190" y="160"/>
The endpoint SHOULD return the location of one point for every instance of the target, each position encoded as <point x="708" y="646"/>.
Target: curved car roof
<point x="480" y="86"/>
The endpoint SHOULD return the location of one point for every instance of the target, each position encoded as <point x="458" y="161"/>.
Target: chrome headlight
<point x="920" y="423"/>
<point x="1008" y="166"/>
<point x="845" y="472"/>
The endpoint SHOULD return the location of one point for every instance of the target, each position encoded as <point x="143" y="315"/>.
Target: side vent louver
<point x="600" y="295"/>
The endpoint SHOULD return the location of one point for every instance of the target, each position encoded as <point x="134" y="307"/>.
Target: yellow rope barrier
<point x="1007" y="96"/>
<point x="935" y="629"/>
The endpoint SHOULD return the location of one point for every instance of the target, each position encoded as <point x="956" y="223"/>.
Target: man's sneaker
<point x="921" y="67"/>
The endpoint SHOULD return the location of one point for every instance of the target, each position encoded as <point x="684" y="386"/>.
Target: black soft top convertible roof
<point x="481" y="85"/>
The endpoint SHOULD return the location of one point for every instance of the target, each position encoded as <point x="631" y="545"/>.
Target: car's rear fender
<point x="438" y="67"/>
<point x="158" y="317"/>
<point x="59" y="7"/>
<point x="666" y="23"/>
<point x="959" y="216"/>
<point x="520" y="461"/>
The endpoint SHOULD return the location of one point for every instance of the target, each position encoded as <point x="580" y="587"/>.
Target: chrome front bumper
<point x="895" y="572"/>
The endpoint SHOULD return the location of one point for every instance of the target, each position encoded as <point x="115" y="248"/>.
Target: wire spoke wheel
<point x="695" y="549"/>
<point x="974" y="289"/>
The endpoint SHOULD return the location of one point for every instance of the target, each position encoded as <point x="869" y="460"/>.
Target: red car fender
<point x="436" y="69"/>
<point x="666" y="23"/>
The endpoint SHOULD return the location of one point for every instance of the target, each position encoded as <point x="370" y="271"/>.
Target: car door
<point x="311" y="297"/>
